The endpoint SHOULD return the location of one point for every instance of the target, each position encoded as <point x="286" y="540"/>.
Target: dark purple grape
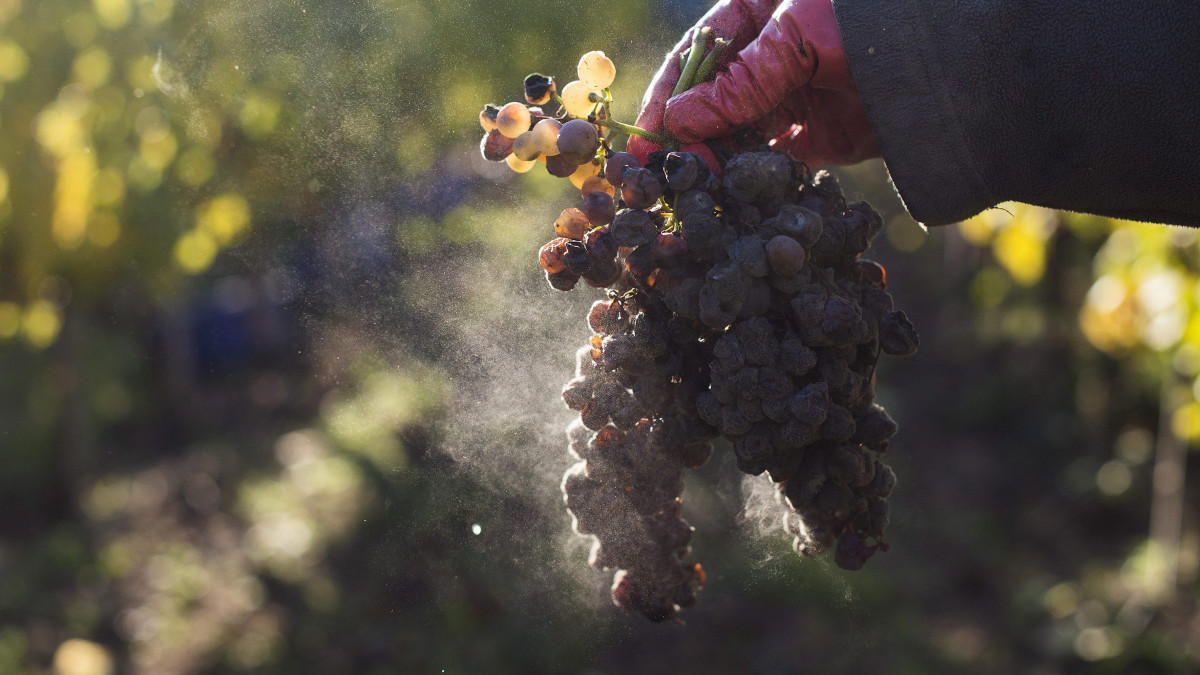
<point x="577" y="141"/>
<point x="577" y="393"/>
<point x="603" y="274"/>
<point x="562" y="281"/>
<point x="668" y="248"/>
<point x="681" y="170"/>
<point x="599" y="208"/>
<point x="897" y="335"/>
<point x="616" y="164"/>
<point x="632" y="228"/>
<point x="640" y="262"/>
<point x="560" y="167"/>
<point x="576" y="257"/>
<point x="639" y="188"/>
<point x="600" y="244"/>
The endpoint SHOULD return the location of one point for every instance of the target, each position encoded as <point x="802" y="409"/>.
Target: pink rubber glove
<point x="784" y="78"/>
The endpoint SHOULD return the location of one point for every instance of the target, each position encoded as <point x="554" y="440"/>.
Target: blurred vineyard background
<point x="280" y="379"/>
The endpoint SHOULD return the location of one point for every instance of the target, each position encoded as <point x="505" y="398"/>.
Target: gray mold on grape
<point x="753" y="317"/>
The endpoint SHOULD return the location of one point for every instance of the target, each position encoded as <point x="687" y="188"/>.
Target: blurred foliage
<point x="281" y="378"/>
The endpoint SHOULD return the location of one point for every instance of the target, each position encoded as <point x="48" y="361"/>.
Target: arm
<point x="1085" y="105"/>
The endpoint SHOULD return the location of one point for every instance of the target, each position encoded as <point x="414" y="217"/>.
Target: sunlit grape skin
<point x="585" y="171"/>
<point x="596" y="70"/>
<point x="513" y="119"/>
<point x="519" y="165"/>
<point x="524" y="147"/>
<point x="572" y="223"/>
<point x="594" y="183"/>
<point x="487" y="117"/>
<point x="668" y="246"/>
<point x="545" y="136"/>
<point x="577" y="141"/>
<point x="576" y="99"/>
<point x="606" y="316"/>
<point x="551" y="255"/>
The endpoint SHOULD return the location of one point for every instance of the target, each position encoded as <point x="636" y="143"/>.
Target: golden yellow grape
<point x="519" y="165"/>
<point x="597" y="70"/>
<point x="575" y="99"/>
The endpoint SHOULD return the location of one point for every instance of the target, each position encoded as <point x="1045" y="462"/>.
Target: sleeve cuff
<point x="911" y="112"/>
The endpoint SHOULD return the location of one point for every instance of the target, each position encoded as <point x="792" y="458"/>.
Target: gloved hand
<point x="784" y="78"/>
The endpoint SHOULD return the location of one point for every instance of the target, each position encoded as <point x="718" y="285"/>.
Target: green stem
<point x="710" y="61"/>
<point x="699" y="46"/>
<point x="662" y="139"/>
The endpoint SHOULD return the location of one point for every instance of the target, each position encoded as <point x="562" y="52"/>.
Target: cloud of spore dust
<point x="512" y="343"/>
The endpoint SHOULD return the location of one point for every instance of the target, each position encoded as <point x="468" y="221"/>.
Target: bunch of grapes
<point x="737" y="305"/>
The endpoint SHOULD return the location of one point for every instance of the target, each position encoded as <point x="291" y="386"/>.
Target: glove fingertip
<point x="691" y="118"/>
<point x="641" y="148"/>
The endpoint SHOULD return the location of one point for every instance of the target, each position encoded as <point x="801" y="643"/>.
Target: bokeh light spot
<point x="73" y="199"/>
<point x="10" y="319"/>
<point x="82" y="657"/>
<point x="41" y="323"/>
<point x="1114" y="478"/>
<point x="140" y="74"/>
<point x="79" y="29"/>
<point x="195" y="166"/>
<point x="104" y="230"/>
<point x="108" y="187"/>
<point x="905" y="234"/>
<point x="1061" y="600"/>
<point x="1135" y="445"/>
<point x="113" y="14"/>
<point x="155" y="12"/>
<point x="159" y="152"/>
<point x="1021" y="247"/>
<point x="224" y="217"/>
<point x="195" y="251"/>
<point x="92" y="67"/>
<point x="14" y="62"/>
<point x="990" y="287"/>
<point x="259" y="114"/>
<point x="1098" y="643"/>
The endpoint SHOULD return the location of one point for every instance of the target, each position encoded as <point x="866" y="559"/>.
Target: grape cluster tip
<point x="738" y="307"/>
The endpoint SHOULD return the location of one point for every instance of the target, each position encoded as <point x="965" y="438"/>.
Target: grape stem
<point x="710" y="61"/>
<point x="699" y="46"/>
<point x="665" y="140"/>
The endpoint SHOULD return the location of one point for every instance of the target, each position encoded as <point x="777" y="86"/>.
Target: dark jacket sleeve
<point x="1084" y="105"/>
